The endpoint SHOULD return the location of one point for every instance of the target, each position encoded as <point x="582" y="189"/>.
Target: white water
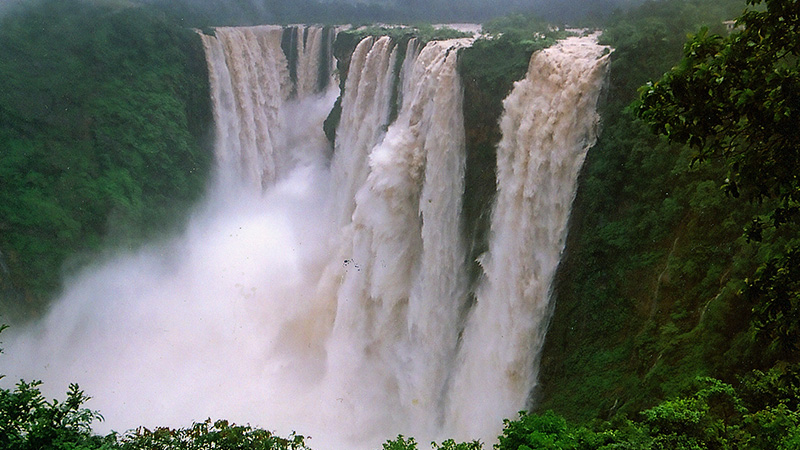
<point x="365" y="115"/>
<point x="325" y="295"/>
<point x="548" y="125"/>
<point x="402" y="283"/>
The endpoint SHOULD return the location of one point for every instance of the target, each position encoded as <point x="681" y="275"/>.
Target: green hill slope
<point x="648" y="294"/>
<point x="104" y="115"/>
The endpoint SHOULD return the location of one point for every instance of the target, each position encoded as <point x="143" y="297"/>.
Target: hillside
<point x="649" y="295"/>
<point x="104" y="119"/>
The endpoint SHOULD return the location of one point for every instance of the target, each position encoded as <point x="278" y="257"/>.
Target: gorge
<point x="325" y="288"/>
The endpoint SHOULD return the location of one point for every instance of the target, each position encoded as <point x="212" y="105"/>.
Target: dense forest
<point x="104" y="112"/>
<point x="675" y="324"/>
<point x="659" y="283"/>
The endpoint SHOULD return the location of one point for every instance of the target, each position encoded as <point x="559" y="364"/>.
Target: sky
<point x="393" y="10"/>
<point x="6" y="5"/>
<point x="200" y="13"/>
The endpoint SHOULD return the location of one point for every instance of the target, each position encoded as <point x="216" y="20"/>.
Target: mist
<point x="203" y="13"/>
<point x="7" y="6"/>
<point x="184" y="328"/>
<point x="251" y="12"/>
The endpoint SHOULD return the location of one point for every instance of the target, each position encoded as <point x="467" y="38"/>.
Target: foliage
<point x="522" y="27"/>
<point x="533" y="431"/>
<point x="710" y="415"/>
<point x="29" y="422"/>
<point x="401" y="443"/>
<point x="647" y="40"/>
<point x="647" y="294"/>
<point x="735" y="99"/>
<point x="774" y="293"/>
<point x="104" y="110"/>
<point x="450" y="444"/>
<point x="207" y="435"/>
<point x="761" y="412"/>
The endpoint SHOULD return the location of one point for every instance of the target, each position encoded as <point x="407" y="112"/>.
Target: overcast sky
<point x="432" y="10"/>
<point x="233" y="12"/>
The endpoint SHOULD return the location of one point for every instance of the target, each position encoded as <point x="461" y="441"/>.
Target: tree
<point x="735" y="99"/>
<point x="207" y="435"/>
<point x="401" y="443"/>
<point x="29" y="422"/>
<point x="102" y="135"/>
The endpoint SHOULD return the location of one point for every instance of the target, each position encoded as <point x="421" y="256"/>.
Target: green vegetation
<point x="521" y="27"/>
<point x="30" y="422"/>
<point x="761" y="412"/>
<point x="207" y="435"/>
<point x="104" y="109"/>
<point x="735" y="99"/>
<point x="401" y="443"/>
<point x="658" y="284"/>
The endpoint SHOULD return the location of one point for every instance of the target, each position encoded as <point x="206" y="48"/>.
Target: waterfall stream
<point x="548" y="125"/>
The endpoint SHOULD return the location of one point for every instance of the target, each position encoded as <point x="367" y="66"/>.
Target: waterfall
<point x="365" y="116"/>
<point x="324" y="290"/>
<point x="548" y="125"/>
<point x="251" y="82"/>
<point x="249" y="85"/>
<point x="400" y="264"/>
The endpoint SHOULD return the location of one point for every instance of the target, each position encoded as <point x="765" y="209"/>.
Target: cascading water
<point x="251" y="85"/>
<point x="248" y="94"/>
<point x="324" y="290"/>
<point x="548" y="125"/>
<point x="402" y="282"/>
<point x="365" y="116"/>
